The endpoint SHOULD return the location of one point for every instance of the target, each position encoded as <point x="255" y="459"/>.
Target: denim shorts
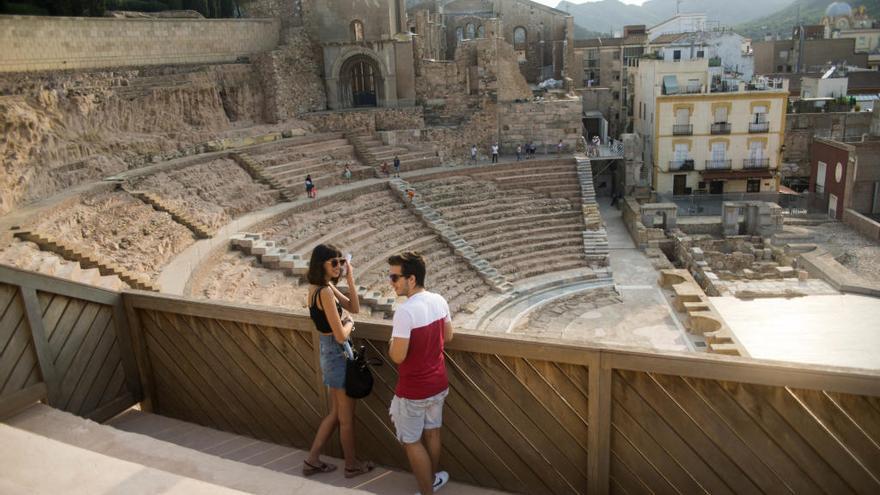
<point x="412" y="417"/>
<point x="332" y="362"/>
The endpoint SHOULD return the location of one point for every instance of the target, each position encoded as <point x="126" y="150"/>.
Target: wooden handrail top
<point x="708" y="366"/>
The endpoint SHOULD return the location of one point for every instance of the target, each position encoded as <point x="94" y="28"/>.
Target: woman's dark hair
<point x="320" y="254"/>
<point x="410" y="263"/>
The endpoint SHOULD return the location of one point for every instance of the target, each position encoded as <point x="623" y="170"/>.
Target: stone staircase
<point x="370" y="149"/>
<point x="595" y="236"/>
<point x="448" y="234"/>
<point x="201" y="230"/>
<point x="258" y="172"/>
<point x="88" y="259"/>
<point x="296" y="264"/>
<point x="21" y="255"/>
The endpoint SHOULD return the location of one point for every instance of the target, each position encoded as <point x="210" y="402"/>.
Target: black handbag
<point x="358" y="376"/>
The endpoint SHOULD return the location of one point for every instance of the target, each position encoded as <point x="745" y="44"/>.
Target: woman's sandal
<point x="322" y="467"/>
<point x="365" y="467"/>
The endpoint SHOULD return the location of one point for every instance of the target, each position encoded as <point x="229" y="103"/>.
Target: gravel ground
<point x="851" y="249"/>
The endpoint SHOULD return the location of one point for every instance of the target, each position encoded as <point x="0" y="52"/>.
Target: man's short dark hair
<point x="410" y="263"/>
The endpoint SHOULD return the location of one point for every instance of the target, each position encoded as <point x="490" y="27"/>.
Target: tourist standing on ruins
<point x="518" y="152"/>
<point x="474" y="153"/>
<point x="326" y="304"/>
<point x="396" y="166"/>
<point x="384" y="169"/>
<point x="421" y="326"/>
<point x="310" y="187"/>
<point x="495" y="153"/>
<point x="346" y="174"/>
<point x="559" y="146"/>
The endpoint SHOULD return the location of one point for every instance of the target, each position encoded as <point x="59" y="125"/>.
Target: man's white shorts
<point x="412" y="417"/>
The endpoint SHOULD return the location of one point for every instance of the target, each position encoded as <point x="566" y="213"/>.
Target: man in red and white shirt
<point x="421" y="326"/>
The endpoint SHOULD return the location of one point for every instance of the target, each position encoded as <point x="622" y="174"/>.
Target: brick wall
<point x="800" y="129"/>
<point x="33" y="43"/>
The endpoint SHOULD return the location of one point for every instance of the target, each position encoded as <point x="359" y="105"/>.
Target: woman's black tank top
<point x="318" y="315"/>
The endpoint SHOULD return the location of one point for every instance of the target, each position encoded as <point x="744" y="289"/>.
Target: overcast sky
<point x="554" y="3"/>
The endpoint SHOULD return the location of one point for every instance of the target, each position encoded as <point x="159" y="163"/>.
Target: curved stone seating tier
<point x="372" y="226"/>
<point x="283" y="151"/>
<point x="556" y="178"/>
<point x="373" y="152"/>
<point x="519" y="233"/>
<point x="118" y="228"/>
<point x="323" y="156"/>
<point x="205" y="196"/>
<point x="448" y="275"/>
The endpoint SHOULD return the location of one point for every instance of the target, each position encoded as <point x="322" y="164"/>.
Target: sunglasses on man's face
<point x="394" y="277"/>
<point x="337" y="261"/>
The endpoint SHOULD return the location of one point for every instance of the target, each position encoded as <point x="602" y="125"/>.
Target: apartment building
<point x="705" y="133"/>
<point x="605" y="64"/>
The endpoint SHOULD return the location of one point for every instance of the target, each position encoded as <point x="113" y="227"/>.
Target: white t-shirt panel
<point x="419" y="311"/>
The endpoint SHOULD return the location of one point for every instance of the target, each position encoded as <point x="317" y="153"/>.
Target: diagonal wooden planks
<point x="686" y="435"/>
<point x="18" y="358"/>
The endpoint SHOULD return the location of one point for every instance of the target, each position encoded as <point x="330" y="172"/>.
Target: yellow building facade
<point x="709" y="137"/>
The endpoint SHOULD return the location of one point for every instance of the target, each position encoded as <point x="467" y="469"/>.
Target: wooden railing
<point x="65" y="343"/>
<point x="523" y="415"/>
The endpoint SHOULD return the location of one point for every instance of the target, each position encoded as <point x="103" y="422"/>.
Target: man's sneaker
<point x="440" y="480"/>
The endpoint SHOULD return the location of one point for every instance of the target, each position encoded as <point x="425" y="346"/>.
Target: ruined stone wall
<point x="33" y="43"/>
<point x="632" y="219"/>
<point x="541" y="24"/>
<point x="291" y="77"/>
<point x="542" y="122"/>
<point x="801" y="127"/>
<point x="378" y="119"/>
<point x="61" y="129"/>
<point x="430" y="39"/>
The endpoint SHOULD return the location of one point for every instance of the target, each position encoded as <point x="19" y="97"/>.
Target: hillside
<point x="607" y="16"/>
<point x="811" y="12"/>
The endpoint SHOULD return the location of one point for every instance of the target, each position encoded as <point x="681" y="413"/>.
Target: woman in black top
<point x="326" y="306"/>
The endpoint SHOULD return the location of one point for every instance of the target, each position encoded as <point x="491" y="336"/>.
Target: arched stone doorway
<point x="360" y="83"/>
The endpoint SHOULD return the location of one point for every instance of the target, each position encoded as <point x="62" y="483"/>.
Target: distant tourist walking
<point x="311" y="191"/>
<point x="396" y="166"/>
<point x="495" y="153"/>
<point x="346" y="174"/>
<point x="326" y="304"/>
<point x="421" y="327"/>
<point x="384" y="169"/>
<point x="474" y="153"/>
<point x="559" y="146"/>
<point x="518" y="152"/>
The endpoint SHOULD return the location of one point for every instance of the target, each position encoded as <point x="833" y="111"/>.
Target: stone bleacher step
<point x="460" y="247"/>
<point x="258" y="173"/>
<point x="198" y="228"/>
<point x="88" y="260"/>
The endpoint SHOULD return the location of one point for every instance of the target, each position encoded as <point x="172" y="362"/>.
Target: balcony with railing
<point x="721" y="128"/>
<point x="682" y="130"/>
<point x="756" y="163"/>
<point x="681" y="165"/>
<point x="718" y="164"/>
<point x="758" y="127"/>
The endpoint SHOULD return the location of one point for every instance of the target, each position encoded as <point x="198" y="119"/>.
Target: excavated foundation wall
<point x="61" y="129"/>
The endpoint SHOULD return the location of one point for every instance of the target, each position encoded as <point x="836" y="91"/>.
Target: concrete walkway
<point x="50" y="451"/>
<point x="645" y="317"/>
